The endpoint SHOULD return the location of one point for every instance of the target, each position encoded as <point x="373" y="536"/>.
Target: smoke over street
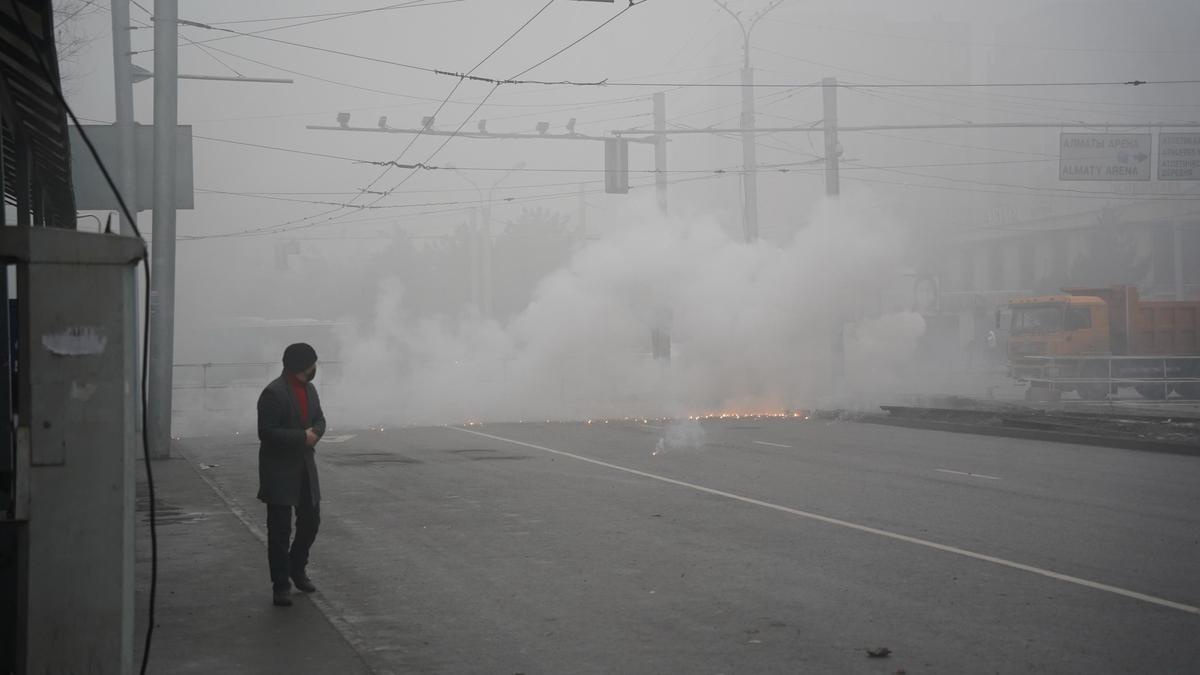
<point x="753" y="326"/>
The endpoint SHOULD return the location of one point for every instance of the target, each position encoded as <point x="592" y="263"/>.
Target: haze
<point x="284" y="244"/>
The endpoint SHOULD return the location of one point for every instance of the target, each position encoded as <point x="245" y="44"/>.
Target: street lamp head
<point x="343" y="119"/>
<point x="139" y="74"/>
<point x="383" y="122"/>
<point x="543" y="127"/>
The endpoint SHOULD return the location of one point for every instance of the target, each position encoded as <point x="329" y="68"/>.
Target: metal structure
<point x="1096" y="377"/>
<point x="485" y="135"/>
<point x="67" y="349"/>
<point x="35" y="150"/>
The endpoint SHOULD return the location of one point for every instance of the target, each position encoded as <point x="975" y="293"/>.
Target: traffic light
<point x="616" y="166"/>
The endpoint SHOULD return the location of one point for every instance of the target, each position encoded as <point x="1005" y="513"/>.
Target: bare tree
<point x="72" y="35"/>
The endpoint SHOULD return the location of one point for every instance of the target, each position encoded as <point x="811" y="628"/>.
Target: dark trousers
<point x="287" y="563"/>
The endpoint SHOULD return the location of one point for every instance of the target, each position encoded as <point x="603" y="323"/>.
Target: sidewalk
<point x="214" y="611"/>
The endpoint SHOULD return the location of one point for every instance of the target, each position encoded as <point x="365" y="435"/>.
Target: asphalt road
<point x="746" y="546"/>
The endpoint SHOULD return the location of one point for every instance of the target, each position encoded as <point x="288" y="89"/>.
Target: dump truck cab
<point x="1058" y="325"/>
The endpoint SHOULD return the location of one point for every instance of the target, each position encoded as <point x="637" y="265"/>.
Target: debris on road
<point x="879" y="653"/>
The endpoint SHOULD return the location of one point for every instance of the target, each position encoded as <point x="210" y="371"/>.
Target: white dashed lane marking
<point x="972" y="475"/>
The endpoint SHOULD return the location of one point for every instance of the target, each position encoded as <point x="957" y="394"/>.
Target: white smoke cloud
<point x="681" y="435"/>
<point x="752" y="329"/>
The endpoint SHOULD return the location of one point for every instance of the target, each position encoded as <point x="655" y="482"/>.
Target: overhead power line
<point x="412" y="4"/>
<point x="583" y="37"/>
<point x="399" y="5"/>
<point x="916" y="127"/>
<point x="447" y="207"/>
<point x="1107" y="49"/>
<point x="516" y="79"/>
<point x="395" y="163"/>
<point x="469" y="75"/>
<point x="428" y="99"/>
<point x="457" y="205"/>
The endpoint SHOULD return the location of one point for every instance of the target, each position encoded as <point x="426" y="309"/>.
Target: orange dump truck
<point x="1095" y="341"/>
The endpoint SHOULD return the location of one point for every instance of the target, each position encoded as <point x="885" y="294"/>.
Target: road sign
<point x="1179" y="156"/>
<point x="1104" y="157"/>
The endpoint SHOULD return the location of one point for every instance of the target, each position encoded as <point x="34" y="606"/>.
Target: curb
<point x="1139" y="444"/>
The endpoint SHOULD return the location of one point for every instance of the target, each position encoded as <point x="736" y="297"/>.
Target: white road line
<point x="972" y="475"/>
<point x="1162" y="602"/>
<point x="774" y="445"/>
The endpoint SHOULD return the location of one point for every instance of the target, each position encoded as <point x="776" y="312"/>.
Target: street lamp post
<point x="749" y="151"/>
<point x="484" y="295"/>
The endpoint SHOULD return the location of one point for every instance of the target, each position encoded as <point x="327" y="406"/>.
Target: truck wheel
<point x="1154" y="392"/>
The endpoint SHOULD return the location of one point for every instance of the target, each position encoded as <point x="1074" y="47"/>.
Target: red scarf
<point x="300" y="389"/>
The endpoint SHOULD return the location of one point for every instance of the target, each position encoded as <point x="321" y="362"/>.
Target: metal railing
<point x="236" y="375"/>
<point x="1135" y="371"/>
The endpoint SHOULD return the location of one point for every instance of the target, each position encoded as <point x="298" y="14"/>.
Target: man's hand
<point x="310" y="437"/>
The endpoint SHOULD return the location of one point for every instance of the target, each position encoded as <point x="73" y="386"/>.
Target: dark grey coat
<point x="283" y="458"/>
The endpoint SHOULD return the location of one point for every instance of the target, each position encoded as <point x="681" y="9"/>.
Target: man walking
<point x="290" y="423"/>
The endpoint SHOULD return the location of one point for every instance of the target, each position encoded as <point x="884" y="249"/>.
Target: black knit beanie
<point x="298" y="357"/>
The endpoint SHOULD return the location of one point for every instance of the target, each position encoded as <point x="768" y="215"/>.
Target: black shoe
<point x="280" y="598"/>
<point x="303" y="583"/>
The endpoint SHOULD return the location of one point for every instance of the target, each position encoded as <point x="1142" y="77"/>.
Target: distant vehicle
<point x="1096" y="340"/>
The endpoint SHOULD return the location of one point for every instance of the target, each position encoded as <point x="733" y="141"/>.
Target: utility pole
<point x="833" y="149"/>
<point x="1177" y="261"/>
<point x="123" y="96"/>
<point x="749" y="148"/>
<point x="660" y="150"/>
<point x="485" y="303"/>
<point x="832" y="189"/>
<point x="162" y="278"/>
<point x="749" y="154"/>
<point x="127" y="183"/>
<point x="475" y="247"/>
<point x="581" y="217"/>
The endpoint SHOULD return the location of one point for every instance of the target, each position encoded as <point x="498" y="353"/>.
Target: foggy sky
<point x="664" y="41"/>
